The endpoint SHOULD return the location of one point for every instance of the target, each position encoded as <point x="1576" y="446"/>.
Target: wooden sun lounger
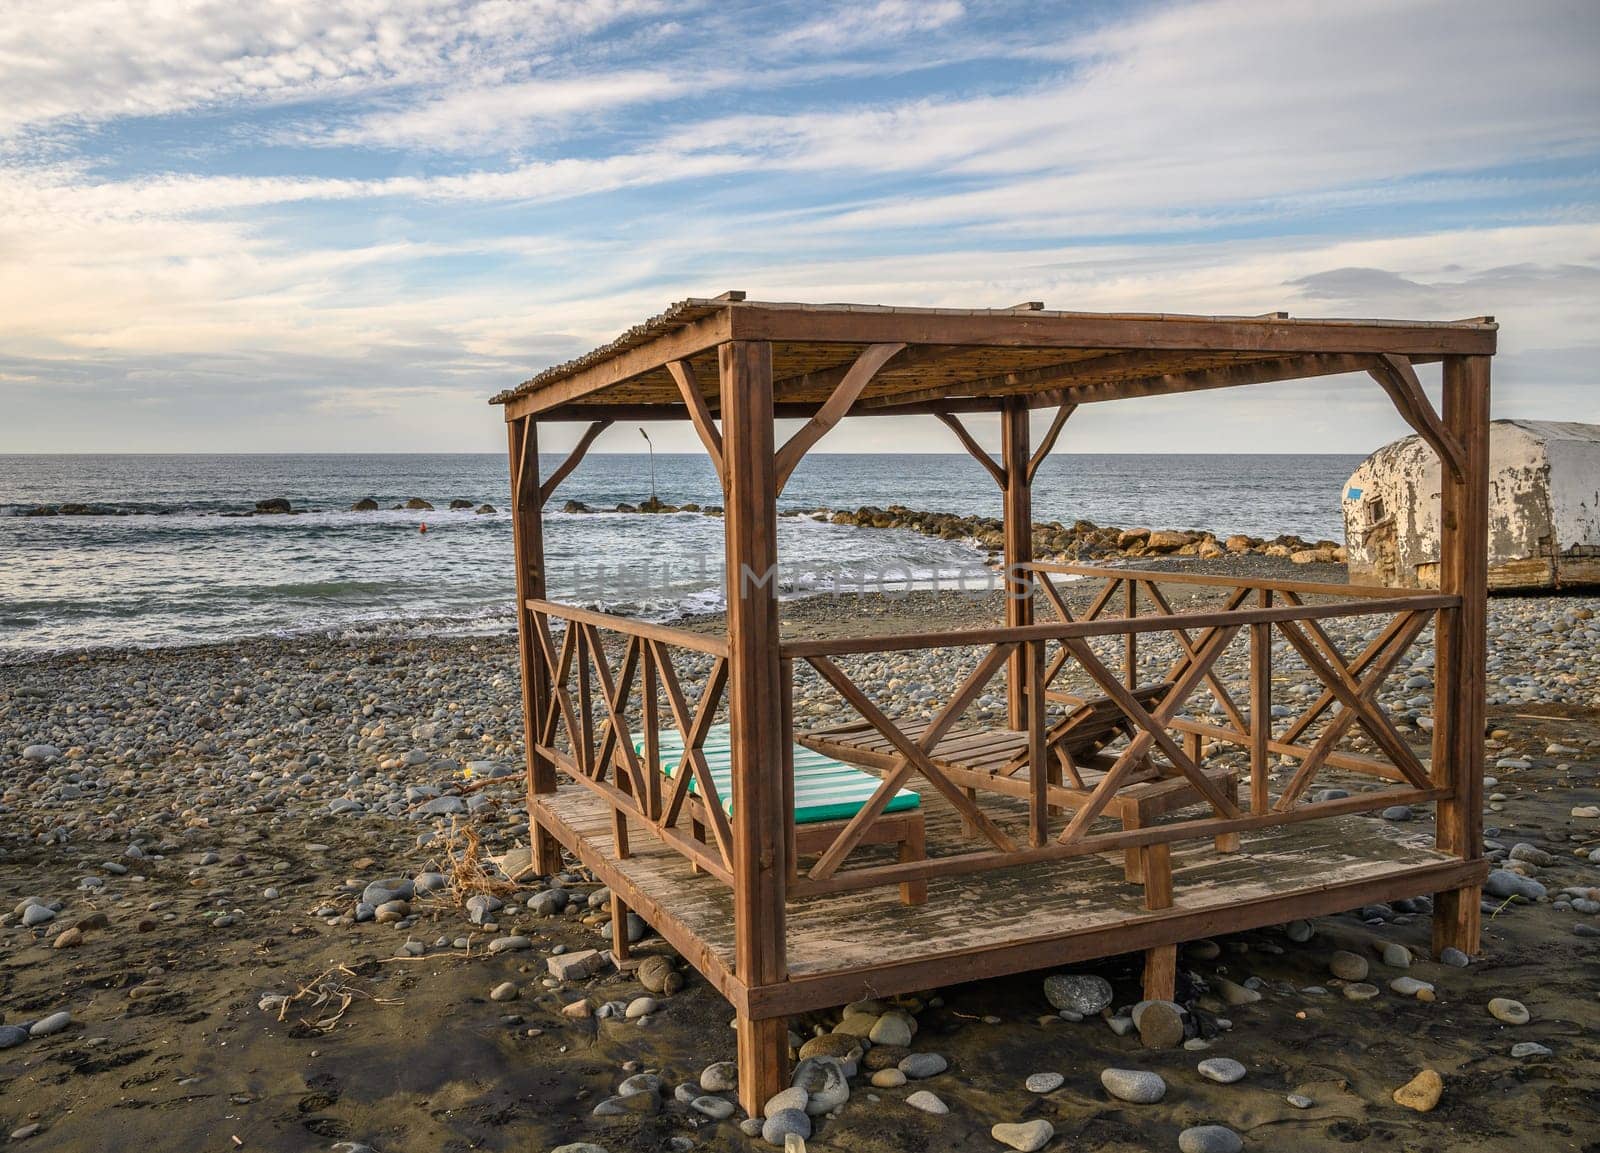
<point x="980" y="757"/>
<point x="827" y="794"/>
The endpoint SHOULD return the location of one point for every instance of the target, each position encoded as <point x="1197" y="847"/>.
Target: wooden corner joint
<point x="1395" y="374"/>
<point x="833" y="410"/>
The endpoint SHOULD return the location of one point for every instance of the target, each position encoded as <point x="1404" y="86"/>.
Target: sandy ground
<point x="244" y="887"/>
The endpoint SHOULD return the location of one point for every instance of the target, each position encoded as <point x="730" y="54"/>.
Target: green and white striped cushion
<point x="825" y="789"/>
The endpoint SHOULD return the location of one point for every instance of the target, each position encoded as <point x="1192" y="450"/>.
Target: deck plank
<point x="1005" y="906"/>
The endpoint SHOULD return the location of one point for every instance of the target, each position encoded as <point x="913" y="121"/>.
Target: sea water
<point x="171" y="561"/>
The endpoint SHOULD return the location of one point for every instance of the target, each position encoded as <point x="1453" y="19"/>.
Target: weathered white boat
<point x="1544" y="509"/>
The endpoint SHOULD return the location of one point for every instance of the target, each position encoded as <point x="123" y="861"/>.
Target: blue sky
<point x="342" y="225"/>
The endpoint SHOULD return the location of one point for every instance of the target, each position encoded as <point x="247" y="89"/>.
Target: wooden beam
<point x="1400" y="381"/>
<point x="755" y="710"/>
<point x="965" y="437"/>
<point x="1461" y="645"/>
<point x="579" y="450"/>
<point x="804" y="993"/>
<point x="1049" y="441"/>
<point x="527" y="545"/>
<point x="1017" y="537"/>
<point x="695" y="401"/>
<point x="1301" y="367"/>
<point x="677" y="344"/>
<point x="860" y="373"/>
<point x="760" y="321"/>
<point x="1079" y="368"/>
<point x="796" y="410"/>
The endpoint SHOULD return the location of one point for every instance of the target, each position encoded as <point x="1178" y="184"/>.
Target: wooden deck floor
<point x="1016" y="919"/>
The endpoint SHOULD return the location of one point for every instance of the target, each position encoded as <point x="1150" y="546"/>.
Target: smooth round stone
<point x="1396" y="956"/>
<point x="1139" y="1086"/>
<point x="505" y="991"/>
<point x="37" y="915"/>
<point x="716" y="1108"/>
<point x="888" y="1078"/>
<point x="1044" y="1082"/>
<point x="720" y="1077"/>
<point x="509" y="944"/>
<point x="840" y="1045"/>
<point x="1421" y="1092"/>
<point x="640" y="1007"/>
<point x="1081" y="992"/>
<point x="639" y="1083"/>
<point x="1222" y="1070"/>
<point x="1454" y="957"/>
<point x="1508" y="1011"/>
<point x="892" y="1029"/>
<point x="1348" y="966"/>
<point x="1203" y="950"/>
<point x="1209" y="1139"/>
<point x="1360" y="991"/>
<point x="775" y="1130"/>
<point x="927" y="1102"/>
<point x="1409" y="986"/>
<point x="54" y="1023"/>
<point x="1024" y="1136"/>
<point x="825" y="1084"/>
<point x="793" y="1097"/>
<point x="919" y="1066"/>
<point x="1300" y="1101"/>
<point x="11" y="1036"/>
<point x="1520" y="1050"/>
<point x="1299" y="931"/>
<point x="1160" y="1024"/>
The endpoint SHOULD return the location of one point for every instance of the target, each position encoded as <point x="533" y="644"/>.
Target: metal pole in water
<point x="647" y="440"/>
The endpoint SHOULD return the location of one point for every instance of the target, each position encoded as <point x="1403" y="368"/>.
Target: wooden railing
<point x="586" y="727"/>
<point x="602" y="715"/>
<point x="1159" y="724"/>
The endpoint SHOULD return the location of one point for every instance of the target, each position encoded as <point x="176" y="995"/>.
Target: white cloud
<point x="96" y="60"/>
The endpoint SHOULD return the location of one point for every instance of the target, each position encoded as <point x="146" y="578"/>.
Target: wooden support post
<point x="1018" y="506"/>
<point x="1260" y="709"/>
<point x="1130" y="643"/>
<point x="1460" y="636"/>
<point x="619" y="928"/>
<point x="527" y="536"/>
<point x="1158" y="876"/>
<point x="1161" y="973"/>
<point x="755" y="708"/>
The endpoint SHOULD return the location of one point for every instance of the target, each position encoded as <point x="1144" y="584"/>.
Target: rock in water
<point x="1025" y="1136"/>
<point x="54" y="1023"/>
<point x="1209" y="1139"/>
<point x="1421" y="1092"/>
<point x="927" y="1102"/>
<point x="1045" y="1082"/>
<point x="1080" y="992"/>
<point x="1139" y="1086"/>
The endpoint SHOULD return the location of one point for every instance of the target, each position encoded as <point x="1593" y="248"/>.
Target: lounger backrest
<point x="1098" y="721"/>
<point x="825" y="789"/>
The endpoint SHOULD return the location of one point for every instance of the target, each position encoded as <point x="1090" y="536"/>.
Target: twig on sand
<point x="330" y="993"/>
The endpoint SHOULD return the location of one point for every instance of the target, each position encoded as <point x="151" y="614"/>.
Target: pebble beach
<point x="274" y="894"/>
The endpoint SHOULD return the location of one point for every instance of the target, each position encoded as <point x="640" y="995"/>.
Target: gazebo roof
<point x="972" y="356"/>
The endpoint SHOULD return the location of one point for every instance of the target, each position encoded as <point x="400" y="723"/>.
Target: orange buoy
<point x="422" y="527"/>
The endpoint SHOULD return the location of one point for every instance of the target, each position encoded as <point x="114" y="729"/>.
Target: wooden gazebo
<point x="1018" y="819"/>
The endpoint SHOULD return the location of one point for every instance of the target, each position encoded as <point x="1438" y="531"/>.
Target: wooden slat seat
<point x="995" y="758"/>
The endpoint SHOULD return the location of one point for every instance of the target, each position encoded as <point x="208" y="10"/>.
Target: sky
<point x="342" y="225"/>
